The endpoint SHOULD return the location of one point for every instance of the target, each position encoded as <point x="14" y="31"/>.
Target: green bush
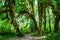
<point x="53" y="36"/>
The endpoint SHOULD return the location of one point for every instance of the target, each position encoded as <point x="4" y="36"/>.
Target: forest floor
<point x="29" y="37"/>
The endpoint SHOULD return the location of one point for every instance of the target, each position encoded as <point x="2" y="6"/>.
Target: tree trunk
<point x="44" y="19"/>
<point x="49" y="21"/>
<point x="33" y="7"/>
<point x="40" y="18"/>
<point x="56" y="25"/>
<point x="13" y="19"/>
<point x="31" y="14"/>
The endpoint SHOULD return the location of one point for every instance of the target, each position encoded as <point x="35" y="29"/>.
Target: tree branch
<point x="3" y="11"/>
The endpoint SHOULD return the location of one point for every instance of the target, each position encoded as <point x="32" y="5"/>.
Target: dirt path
<point x="29" y="37"/>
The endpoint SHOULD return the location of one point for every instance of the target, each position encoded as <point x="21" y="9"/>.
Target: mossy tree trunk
<point x="56" y="24"/>
<point x="11" y="8"/>
<point x="49" y="20"/>
<point x="44" y="19"/>
<point x="31" y="13"/>
<point x="40" y="18"/>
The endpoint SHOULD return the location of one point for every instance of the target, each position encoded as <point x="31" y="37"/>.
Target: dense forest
<point x="34" y="19"/>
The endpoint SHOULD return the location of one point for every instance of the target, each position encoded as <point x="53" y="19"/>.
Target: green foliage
<point x="6" y="28"/>
<point x="2" y="16"/>
<point x="21" y="6"/>
<point x="53" y="36"/>
<point x="58" y="1"/>
<point x="7" y="36"/>
<point x="42" y="1"/>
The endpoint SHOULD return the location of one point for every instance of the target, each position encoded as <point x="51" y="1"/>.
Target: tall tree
<point x="55" y="9"/>
<point x="49" y="20"/>
<point x="44" y="19"/>
<point x="48" y="4"/>
<point x="56" y="25"/>
<point x="30" y="13"/>
<point x="11" y="8"/>
<point x="40" y="17"/>
<point x="32" y="6"/>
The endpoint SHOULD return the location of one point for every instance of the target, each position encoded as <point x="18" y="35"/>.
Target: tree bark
<point x="31" y="14"/>
<point x="44" y="19"/>
<point x="49" y="21"/>
<point x="33" y="7"/>
<point x="56" y="25"/>
<point x="13" y="18"/>
<point x="40" y="18"/>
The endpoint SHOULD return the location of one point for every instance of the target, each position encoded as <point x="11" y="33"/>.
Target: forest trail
<point x="29" y="37"/>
